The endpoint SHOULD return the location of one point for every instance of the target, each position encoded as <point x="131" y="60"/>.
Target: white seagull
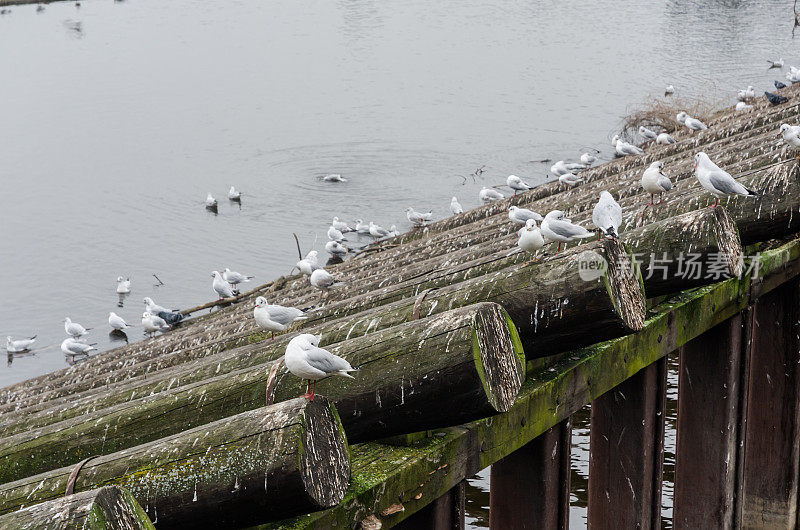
<point x="665" y="139"/>
<point x="741" y="106"/>
<point x="624" y="148"/>
<point x="520" y="216"/>
<point x="235" y="278"/>
<point x="74" y="329"/>
<point x="211" y="202"/>
<point x="717" y="181"/>
<point x="418" y="218"/>
<point x="153" y="323"/>
<point x="690" y="123"/>
<point x="561" y="167"/>
<point x="335" y="235"/>
<point x="655" y="181"/>
<point x="748" y="93"/>
<point x="377" y="231"/>
<point x="588" y="159"/>
<point x="220" y="286"/>
<point x="305" y="359"/>
<point x="556" y="228"/>
<point x="487" y="195"/>
<point x="517" y="184"/>
<point x="393" y="231"/>
<point x="669" y="90"/>
<point x="362" y="227"/>
<point x="73" y="347"/>
<point x="153" y="307"/>
<point x="275" y="317"/>
<point x="791" y="135"/>
<point x="530" y="237"/>
<point x="334" y="177"/>
<point x="793" y="75"/>
<point x="234" y="194"/>
<point x="776" y="64"/>
<point x="123" y="285"/>
<point x="334" y="248"/>
<point x="323" y="280"/>
<point x="18" y="346"/>
<point x="116" y="322"/>
<point x="455" y="207"/>
<point x="341" y="226"/>
<point x="646" y="133"/>
<point x="607" y="215"/>
<point x="570" y="179"/>
<point x="309" y="264"/>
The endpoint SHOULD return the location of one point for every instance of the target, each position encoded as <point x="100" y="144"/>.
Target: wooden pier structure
<point x="470" y="356"/>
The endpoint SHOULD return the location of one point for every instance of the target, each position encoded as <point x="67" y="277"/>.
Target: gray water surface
<point x="118" y="118"/>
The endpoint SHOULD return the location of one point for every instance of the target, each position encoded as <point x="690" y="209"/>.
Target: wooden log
<point x="445" y="513"/>
<point x="772" y="429"/>
<point x="709" y="416"/>
<point x="287" y="459"/>
<point x="107" y="508"/>
<point x="444" y="370"/>
<point x="529" y="489"/>
<point x="697" y="248"/>
<point x="626" y="452"/>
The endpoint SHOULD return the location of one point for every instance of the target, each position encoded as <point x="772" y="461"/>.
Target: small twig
<point x="296" y="240"/>
<point x="160" y="283"/>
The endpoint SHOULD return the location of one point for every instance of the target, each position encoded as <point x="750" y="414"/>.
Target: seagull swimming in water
<point x="211" y="202"/>
<point x="306" y="360"/>
<point x="588" y="159"/>
<point x="275" y="317"/>
<point x="116" y="322"/>
<point x="234" y="194"/>
<point x="669" y="90"/>
<point x="418" y="218"/>
<point x="361" y="226"/>
<point x="607" y="215"/>
<point x="74" y="329"/>
<point x="776" y="64"/>
<point x="487" y="195"/>
<point x="20" y="345"/>
<point x="517" y="184"/>
<point x="556" y="228"/>
<point x="220" y="286"/>
<point x="717" y="181"/>
<point x="455" y="207"/>
<point x="341" y="226"/>
<point x="520" y="216"/>
<point x="123" y="285"/>
<point x="655" y="181"/>
<point x="335" y="235"/>
<point x="334" y="177"/>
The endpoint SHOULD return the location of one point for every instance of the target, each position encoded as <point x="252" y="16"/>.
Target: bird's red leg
<point x="273" y="335"/>
<point x="313" y="389"/>
<point x="559" y="247"/>
<point x="651" y="200"/>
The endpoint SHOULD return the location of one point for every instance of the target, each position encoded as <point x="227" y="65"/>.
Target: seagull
<point x="116" y="322"/>
<point x="793" y="76"/>
<point x="418" y="218"/>
<point x="655" y="181"/>
<point x="323" y="280"/>
<point x="123" y="285"/>
<point x="775" y="99"/>
<point x="741" y="106"/>
<point x="520" y="216"/>
<point x="73" y="347"/>
<point x="717" y="181"/>
<point x="234" y="194"/>
<point x="309" y="264"/>
<point x="748" y="93"/>
<point x="776" y="64"/>
<point x="488" y="195"/>
<point x="669" y="90"/>
<point x="211" y="202"/>
<point x="362" y="227"/>
<point x="517" y="184"/>
<point x="275" y="317"/>
<point x="530" y="237"/>
<point x="153" y="323"/>
<point x="455" y="207"/>
<point x="646" y="133"/>
<point x="305" y="359"/>
<point x="665" y="139"/>
<point x="334" y="248"/>
<point x="154" y="308"/>
<point x="220" y="286"/>
<point x="691" y="123"/>
<point x="791" y="135"/>
<point x="377" y="231"/>
<point x="562" y="168"/>
<point x="234" y="278"/>
<point x="74" y="329"/>
<point x="778" y="84"/>
<point x="19" y="346"/>
<point x="623" y="148"/>
<point x="556" y="228"/>
<point x="334" y="177"/>
<point x="341" y="226"/>
<point x="393" y="231"/>
<point x="588" y="159"/>
<point x="607" y="215"/>
<point x="570" y="179"/>
<point x="335" y="235"/>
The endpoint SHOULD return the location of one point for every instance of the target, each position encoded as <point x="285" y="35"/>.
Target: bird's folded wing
<point x="324" y="360"/>
<point x="725" y="183"/>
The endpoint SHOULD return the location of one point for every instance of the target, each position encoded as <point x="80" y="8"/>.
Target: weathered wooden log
<point x="444" y="370"/>
<point x="108" y="508"/>
<point x="287" y="459"/>
<point x="686" y="251"/>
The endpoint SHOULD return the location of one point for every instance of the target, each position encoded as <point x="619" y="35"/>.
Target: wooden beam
<point x="529" y="488"/>
<point x="708" y="435"/>
<point x="772" y="433"/>
<point x="445" y="513"/>
<point x="626" y="452"/>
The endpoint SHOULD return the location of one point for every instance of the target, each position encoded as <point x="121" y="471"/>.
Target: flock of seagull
<point x="305" y="359"/>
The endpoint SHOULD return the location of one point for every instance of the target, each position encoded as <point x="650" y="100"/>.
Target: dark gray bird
<point x="170" y="318"/>
<point x="775" y="99"/>
<point x="779" y="85"/>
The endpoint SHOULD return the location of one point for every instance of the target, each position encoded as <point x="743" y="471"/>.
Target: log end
<point x="728" y="241"/>
<point x="624" y="284"/>
<point x="324" y="454"/>
<point x="498" y="355"/>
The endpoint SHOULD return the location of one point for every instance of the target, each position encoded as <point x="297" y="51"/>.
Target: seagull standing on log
<point x="720" y="183"/>
<point x="556" y="228"/>
<point x="305" y="359"/>
<point x="655" y="181"/>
